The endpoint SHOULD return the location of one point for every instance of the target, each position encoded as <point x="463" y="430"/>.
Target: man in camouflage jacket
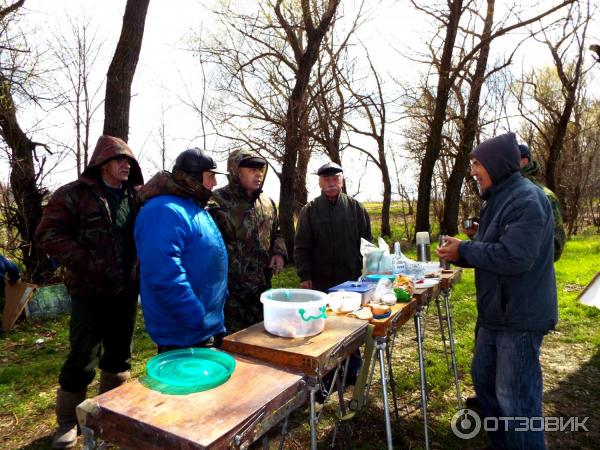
<point x="87" y="227"/>
<point x="248" y="221"/>
<point x="530" y="169"/>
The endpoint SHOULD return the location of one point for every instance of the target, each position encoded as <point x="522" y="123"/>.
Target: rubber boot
<point x="109" y="381"/>
<point x="65" y="435"/>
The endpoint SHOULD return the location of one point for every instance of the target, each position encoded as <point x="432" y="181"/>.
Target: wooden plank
<point x="16" y="296"/>
<point x="449" y="279"/>
<point x="255" y="398"/>
<point x="401" y="313"/>
<point x="311" y="355"/>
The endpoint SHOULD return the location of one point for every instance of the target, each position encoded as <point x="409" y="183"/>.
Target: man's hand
<point x="470" y="232"/>
<point x="276" y="264"/>
<point x="449" y="249"/>
<point x="306" y="284"/>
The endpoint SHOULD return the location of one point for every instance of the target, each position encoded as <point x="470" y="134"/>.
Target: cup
<point x="468" y="223"/>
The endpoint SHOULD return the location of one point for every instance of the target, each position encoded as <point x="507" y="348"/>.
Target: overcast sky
<point x="167" y="74"/>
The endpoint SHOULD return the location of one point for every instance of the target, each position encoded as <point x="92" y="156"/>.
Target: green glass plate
<point x="181" y="372"/>
<point x="375" y="277"/>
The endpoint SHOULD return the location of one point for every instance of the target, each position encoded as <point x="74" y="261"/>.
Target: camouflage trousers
<point x="243" y="309"/>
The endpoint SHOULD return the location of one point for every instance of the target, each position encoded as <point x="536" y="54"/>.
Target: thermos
<point x="423" y="243"/>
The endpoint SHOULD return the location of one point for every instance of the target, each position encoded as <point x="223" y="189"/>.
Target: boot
<point x="109" y="381"/>
<point x="66" y="432"/>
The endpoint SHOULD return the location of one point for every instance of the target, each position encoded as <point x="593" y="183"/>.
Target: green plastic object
<point x="375" y="277"/>
<point x="402" y="295"/>
<point x="181" y="372"/>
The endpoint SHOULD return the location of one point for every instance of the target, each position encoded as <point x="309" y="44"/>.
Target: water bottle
<point x="398" y="263"/>
<point x="444" y="265"/>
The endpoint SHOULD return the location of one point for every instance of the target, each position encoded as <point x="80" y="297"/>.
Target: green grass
<point x="570" y="359"/>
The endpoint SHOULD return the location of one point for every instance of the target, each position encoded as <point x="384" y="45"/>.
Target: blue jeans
<point x="507" y="376"/>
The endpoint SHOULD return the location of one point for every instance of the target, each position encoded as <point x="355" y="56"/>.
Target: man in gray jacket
<point x="512" y="254"/>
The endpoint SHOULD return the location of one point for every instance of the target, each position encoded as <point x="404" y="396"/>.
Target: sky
<point x="167" y="75"/>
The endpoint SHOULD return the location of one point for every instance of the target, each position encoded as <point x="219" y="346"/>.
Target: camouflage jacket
<point x="80" y="232"/>
<point x="250" y="229"/>
<point x="560" y="237"/>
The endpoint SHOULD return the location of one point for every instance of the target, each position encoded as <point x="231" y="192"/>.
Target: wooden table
<point x="313" y="355"/>
<point x="233" y="415"/>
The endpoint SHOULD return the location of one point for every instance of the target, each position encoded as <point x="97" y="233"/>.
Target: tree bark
<point x="122" y="69"/>
<point x="470" y="128"/>
<point x="306" y="56"/>
<point x="434" y="140"/>
<point x="23" y="180"/>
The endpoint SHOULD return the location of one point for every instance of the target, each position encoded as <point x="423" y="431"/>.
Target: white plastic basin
<point x="294" y="312"/>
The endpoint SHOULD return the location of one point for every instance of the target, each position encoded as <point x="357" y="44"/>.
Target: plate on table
<point x="426" y="283"/>
<point x="181" y="372"/>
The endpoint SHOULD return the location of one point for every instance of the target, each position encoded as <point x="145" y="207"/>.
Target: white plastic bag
<point x="375" y="259"/>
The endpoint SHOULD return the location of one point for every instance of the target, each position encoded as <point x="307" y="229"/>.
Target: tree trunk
<point x="122" y="69"/>
<point x="470" y="127"/>
<point x="386" y="230"/>
<point x="300" y="190"/>
<point x="434" y="140"/>
<point x="305" y="61"/>
<point x="23" y="180"/>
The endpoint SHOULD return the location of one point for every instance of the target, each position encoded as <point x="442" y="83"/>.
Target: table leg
<point x="89" y="440"/>
<point x="380" y="349"/>
<point x="441" y="320"/>
<point x="313" y="387"/>
<point x="446" y="293"/>
<point x="422" y="373"/>
<point x="388" y="354"/>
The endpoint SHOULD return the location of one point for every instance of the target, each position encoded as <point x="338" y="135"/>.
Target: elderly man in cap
<point x="249" y="223"/>
<point x="512" y="253"/>
<point x="183" y="260"/>
<point x="327" y="242"/>
<point x="87" y="227"/>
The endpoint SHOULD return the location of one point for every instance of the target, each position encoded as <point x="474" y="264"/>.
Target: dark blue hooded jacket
<point x="513" y="250"/>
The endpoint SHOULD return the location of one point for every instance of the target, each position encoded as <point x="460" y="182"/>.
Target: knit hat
<point x="525" y="152"/>
<point x="499" y="155"/>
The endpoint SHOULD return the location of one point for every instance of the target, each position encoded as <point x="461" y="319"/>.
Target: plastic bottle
<point x="398" y="263"/>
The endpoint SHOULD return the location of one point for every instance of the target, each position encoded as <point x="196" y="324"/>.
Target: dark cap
<point x="525" y="152"/>
<point x="329" y="169"/>
<point x="253" y="163"/>
<point x="195" y="160"/>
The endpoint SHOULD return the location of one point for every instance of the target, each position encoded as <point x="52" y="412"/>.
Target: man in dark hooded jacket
<point x="87" y="227"/>
<point x="249" y="224"/>
<point x="512" y="253"/>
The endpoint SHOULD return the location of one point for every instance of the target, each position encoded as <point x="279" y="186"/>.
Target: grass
<point x="31" y="357"/>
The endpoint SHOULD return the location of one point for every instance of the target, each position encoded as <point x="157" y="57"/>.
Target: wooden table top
<point x="310" y="355"/>
<point x="255" y="398"/>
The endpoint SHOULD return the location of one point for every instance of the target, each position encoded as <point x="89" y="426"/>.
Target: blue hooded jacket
<point x="183" y="268"/>
<point x="513" y="250"/>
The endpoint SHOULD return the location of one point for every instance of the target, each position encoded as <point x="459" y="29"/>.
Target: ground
<point x="31" y="356"/>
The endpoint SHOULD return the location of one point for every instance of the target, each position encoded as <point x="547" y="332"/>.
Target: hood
<point x="531" y="170"/>
<point x="107" y="148"/>
<point x="499" y="155"/>
<point x="179" y="184"/>
<point x="233" y="166"/>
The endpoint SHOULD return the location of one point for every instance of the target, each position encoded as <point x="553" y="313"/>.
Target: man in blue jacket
<point x="512" y="253"/>
<point x="183" y="259"/>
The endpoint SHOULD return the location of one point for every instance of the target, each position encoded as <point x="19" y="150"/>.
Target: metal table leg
<point x="313" y="387"/>
<point x="380" y="349"/>
<point x="388" y="354"/>
<point x="422" y="373"/>
<point x="441" y="320"/>
<point x="446" y="294"/>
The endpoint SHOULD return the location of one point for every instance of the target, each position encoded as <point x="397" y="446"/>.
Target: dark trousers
<point x="507" y="376"/>
<point x="213" y="342"/>
<point x="100" y="334"/>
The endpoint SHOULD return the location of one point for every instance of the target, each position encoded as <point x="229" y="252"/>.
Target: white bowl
<point x="344" y="301"/>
